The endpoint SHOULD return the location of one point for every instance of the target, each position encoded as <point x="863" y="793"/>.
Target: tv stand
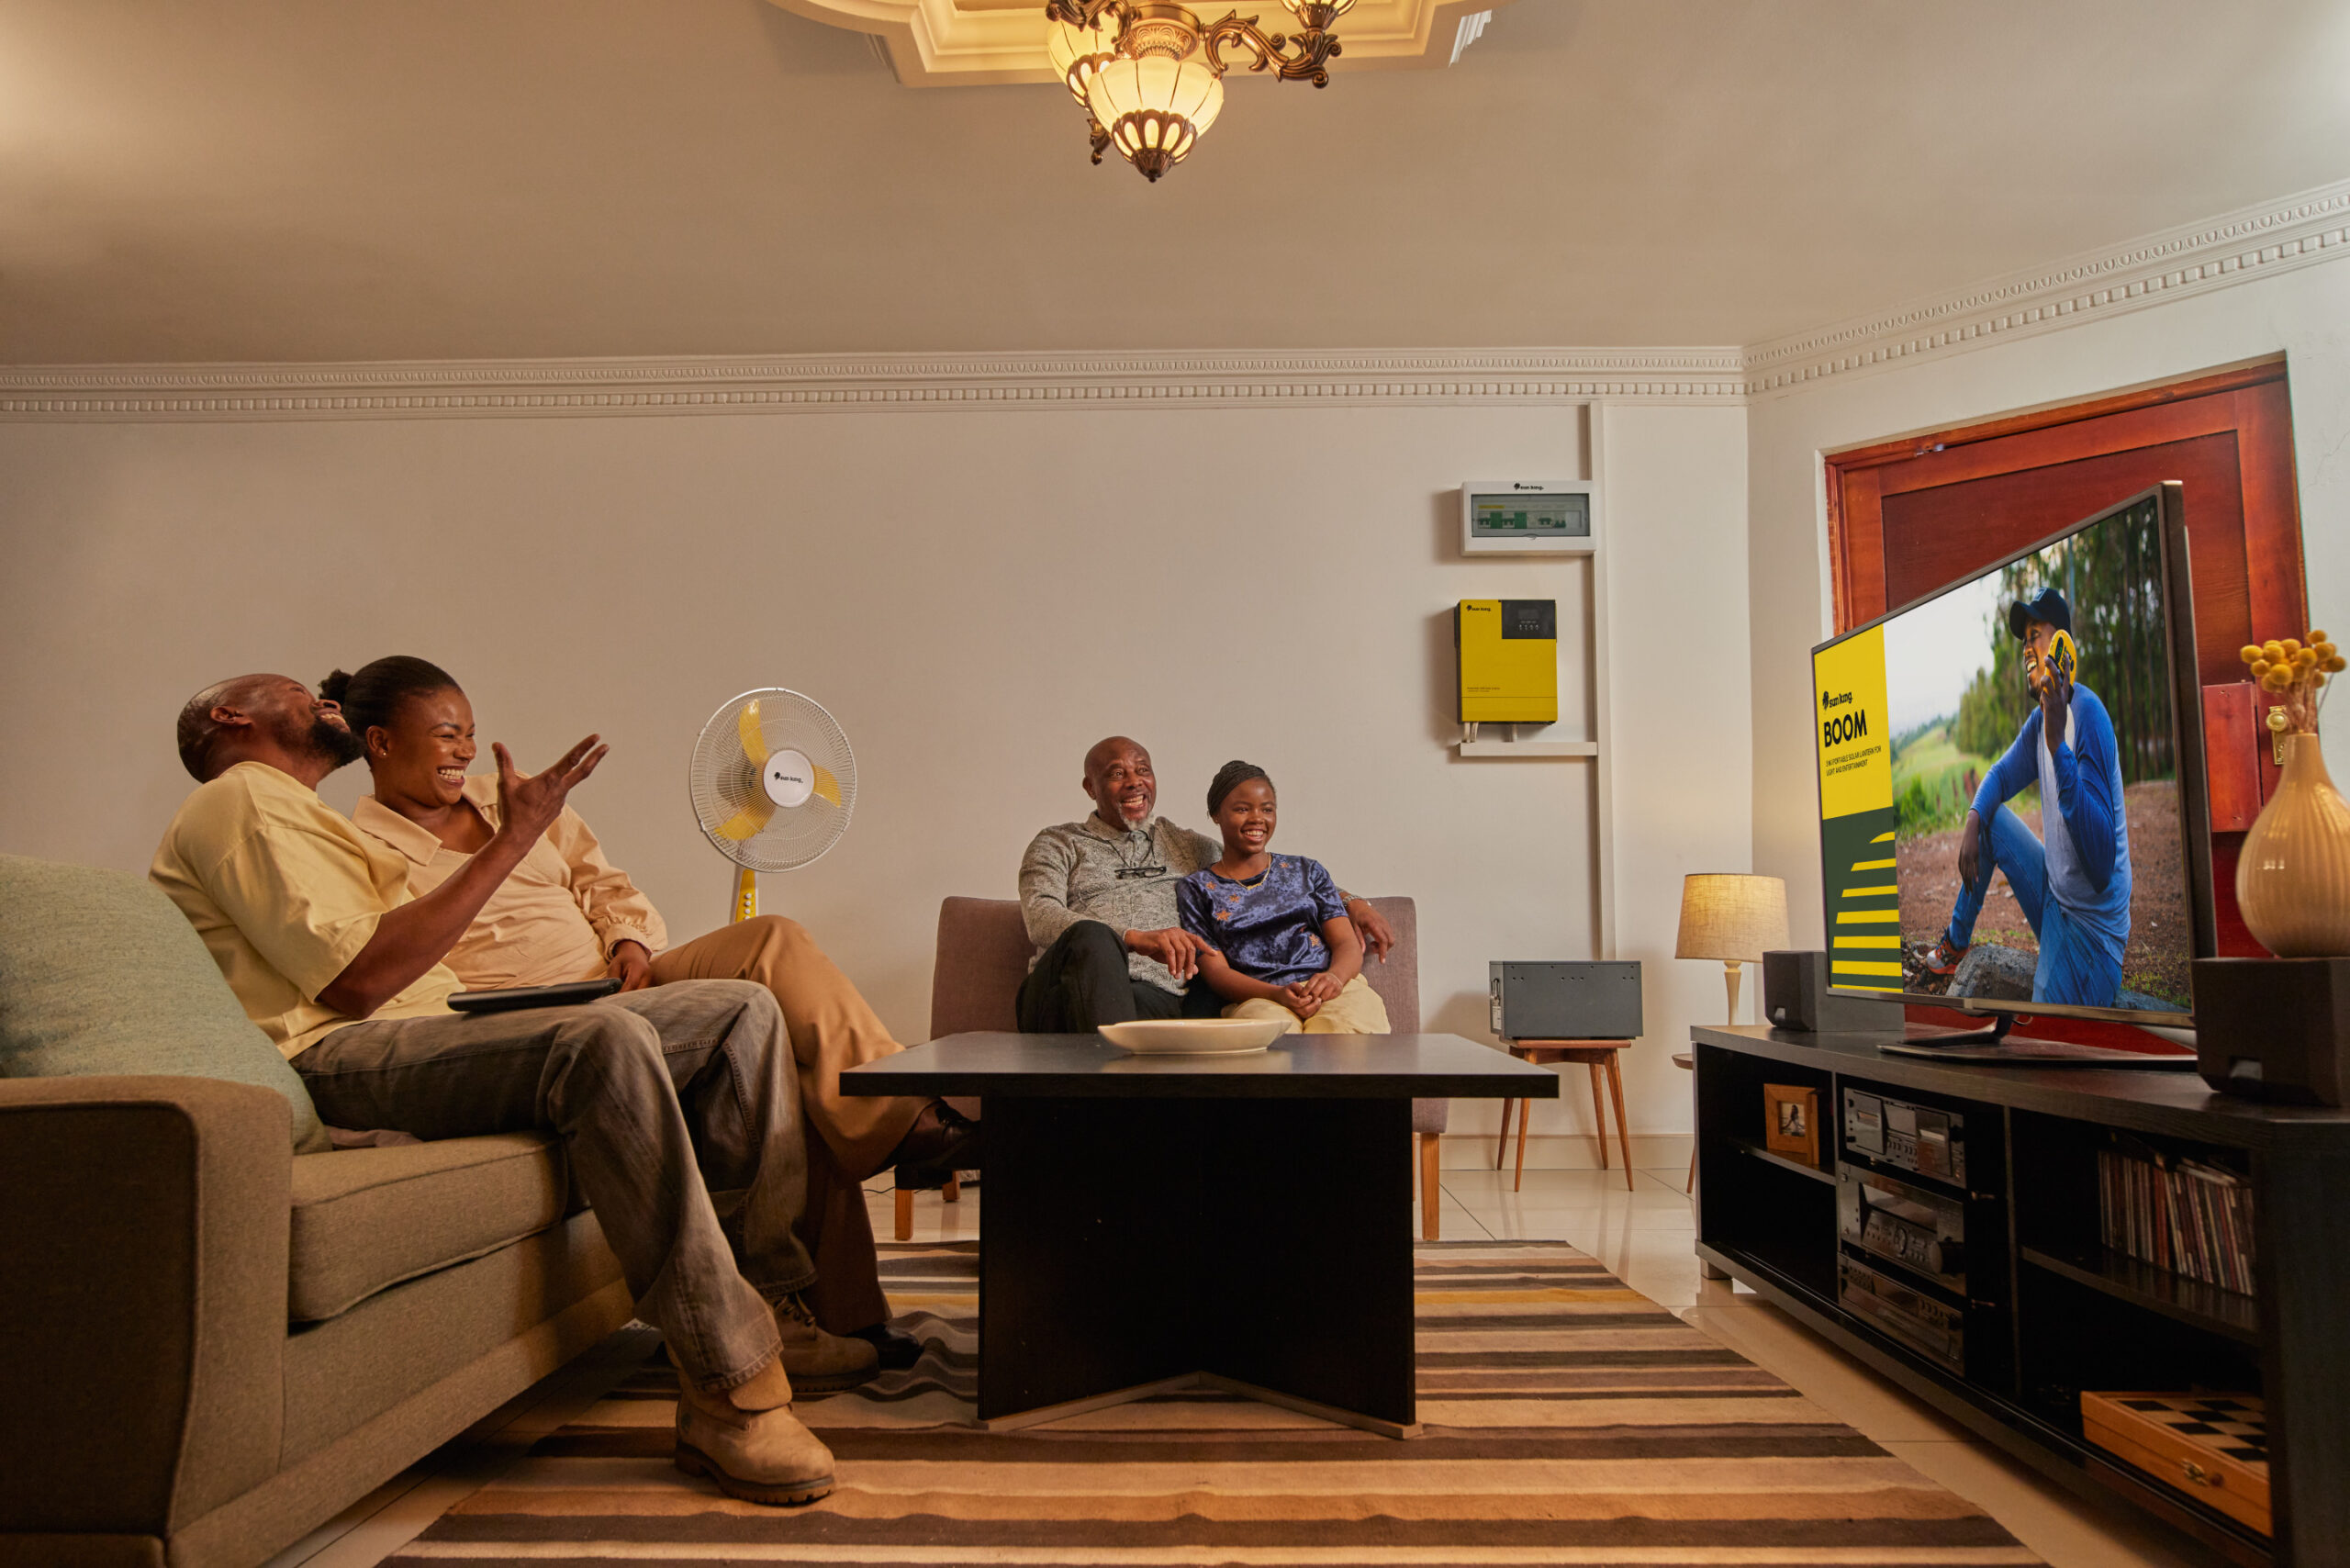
<point x="2046" y="1310"/>
<point x="1992" y="1046"/>
<point x="1996" y="1035"/>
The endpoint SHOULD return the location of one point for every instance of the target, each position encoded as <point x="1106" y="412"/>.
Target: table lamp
<point x="1731" y="917"/>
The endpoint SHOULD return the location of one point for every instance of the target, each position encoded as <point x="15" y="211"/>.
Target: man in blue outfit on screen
<point x="2073" y="881"/>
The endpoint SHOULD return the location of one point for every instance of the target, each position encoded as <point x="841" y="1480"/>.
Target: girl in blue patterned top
<point x="1280" y="944"/>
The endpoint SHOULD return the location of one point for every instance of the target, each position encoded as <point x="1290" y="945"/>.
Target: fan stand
<point x="746" y="894"/>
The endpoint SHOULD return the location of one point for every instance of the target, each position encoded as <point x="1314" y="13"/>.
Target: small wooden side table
<point x="1600" y="1056"/>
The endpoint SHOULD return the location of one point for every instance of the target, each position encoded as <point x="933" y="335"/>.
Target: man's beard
<point x="333" y="743"/>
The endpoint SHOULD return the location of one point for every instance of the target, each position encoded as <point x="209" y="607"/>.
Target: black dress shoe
<point x="898" y="1349"/>
<point x="942" y="1141"/>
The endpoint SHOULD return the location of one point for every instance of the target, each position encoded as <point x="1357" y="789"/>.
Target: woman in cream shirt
<point x="568" y="913"/>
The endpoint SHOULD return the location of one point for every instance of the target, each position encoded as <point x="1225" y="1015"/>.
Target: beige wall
<point x="2303" y="314"/>
<point x="977" y="597"/>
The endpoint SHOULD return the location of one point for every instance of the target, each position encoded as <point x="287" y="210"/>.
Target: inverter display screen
<point x="1999" y="766"/>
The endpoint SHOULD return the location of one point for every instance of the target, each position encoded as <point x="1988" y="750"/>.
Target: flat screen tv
<point x="1968" y="863"/>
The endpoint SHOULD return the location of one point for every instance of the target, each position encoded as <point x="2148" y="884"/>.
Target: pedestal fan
<point x="774" y="783"/>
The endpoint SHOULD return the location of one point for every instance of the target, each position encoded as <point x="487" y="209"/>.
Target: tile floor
<point x="1644" y="1235"/>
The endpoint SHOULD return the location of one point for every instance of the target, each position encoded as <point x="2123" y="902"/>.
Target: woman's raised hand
<point x="528" y="804"/>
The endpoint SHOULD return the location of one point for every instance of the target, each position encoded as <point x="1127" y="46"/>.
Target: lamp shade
<point x="1155" y="108"/>
<point x="1077" y="52"/>
<point x="1731" y="917"/>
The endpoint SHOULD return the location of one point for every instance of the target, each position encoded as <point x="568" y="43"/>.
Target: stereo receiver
<point x="1922" y="1231"/>
<point x="1903" y="1313"/>
<point x="1914" y="1137"/>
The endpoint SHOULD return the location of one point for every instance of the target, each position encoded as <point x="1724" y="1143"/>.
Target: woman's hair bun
<point x="372" y="696"/>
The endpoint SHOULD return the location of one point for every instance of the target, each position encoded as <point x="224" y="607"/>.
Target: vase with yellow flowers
<point x="2293" y="878"/>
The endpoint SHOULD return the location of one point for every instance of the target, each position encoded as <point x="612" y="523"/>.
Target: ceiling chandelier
<point x="1151" y="74"/>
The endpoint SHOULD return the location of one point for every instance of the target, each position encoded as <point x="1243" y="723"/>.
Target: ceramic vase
<point x="2293" y="878"/>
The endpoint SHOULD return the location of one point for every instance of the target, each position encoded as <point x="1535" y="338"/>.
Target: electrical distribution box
<point x="1509" y="660"/>
<point x="1530" y="516"/>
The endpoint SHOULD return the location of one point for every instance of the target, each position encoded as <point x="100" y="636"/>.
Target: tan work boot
<point x="748" y="1441"/>
<point x="821" y="1363"/>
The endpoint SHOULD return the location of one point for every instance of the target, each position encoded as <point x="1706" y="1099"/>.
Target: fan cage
<point x="723" y="779"/>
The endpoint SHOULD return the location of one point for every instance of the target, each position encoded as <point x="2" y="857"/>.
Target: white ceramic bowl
<point x="1194" y="1036"/>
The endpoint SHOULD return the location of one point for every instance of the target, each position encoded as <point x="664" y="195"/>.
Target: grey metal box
<point x="1565" y="1001"/>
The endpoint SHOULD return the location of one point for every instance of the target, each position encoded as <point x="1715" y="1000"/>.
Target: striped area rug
<point x="1570" y="1420"/>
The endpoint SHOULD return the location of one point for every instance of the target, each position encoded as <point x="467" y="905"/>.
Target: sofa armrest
<point x="143" y="1226"/>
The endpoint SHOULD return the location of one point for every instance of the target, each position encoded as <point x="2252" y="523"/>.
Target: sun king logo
<point x="789" y="778"/>
<point x="1839" y="728"/>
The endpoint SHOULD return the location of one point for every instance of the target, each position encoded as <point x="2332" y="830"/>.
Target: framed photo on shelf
<point x="1791" y="1122"/>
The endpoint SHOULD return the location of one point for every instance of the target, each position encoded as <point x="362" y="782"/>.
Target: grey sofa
<point x="215" y="1343"/>
<point x="983" y="951"/>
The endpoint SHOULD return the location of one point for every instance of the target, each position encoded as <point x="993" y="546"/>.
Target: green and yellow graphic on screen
<point x="1857" y="816"/>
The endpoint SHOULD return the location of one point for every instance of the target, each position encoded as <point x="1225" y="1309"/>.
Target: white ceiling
<point x="402" y="179"/>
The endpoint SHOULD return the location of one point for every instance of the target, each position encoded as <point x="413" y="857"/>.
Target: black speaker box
<point x="1795" y="996"/>
<point x="2274" y="1028"/>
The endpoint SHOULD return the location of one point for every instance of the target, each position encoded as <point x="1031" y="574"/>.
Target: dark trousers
<point x="1081" y="981"/>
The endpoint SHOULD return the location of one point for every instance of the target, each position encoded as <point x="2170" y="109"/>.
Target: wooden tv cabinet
<point x="2047" y="1310"/>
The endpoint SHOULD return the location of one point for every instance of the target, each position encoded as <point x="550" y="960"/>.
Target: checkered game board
<point x="2236" y="1425"/>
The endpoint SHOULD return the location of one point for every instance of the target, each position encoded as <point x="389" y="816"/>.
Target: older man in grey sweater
<point x="1099" y="899"/>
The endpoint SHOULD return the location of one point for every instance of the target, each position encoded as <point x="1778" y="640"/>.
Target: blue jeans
<point x="2079" y="967"/>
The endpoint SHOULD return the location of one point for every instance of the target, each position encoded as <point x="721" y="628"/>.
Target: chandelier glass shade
<point x="1078" y="49"/>
<point x="1155" y="110"/>
<point x="1150" y="73"/>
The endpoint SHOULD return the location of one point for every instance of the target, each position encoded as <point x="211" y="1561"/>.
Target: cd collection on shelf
<point x="2189" y="1216"/>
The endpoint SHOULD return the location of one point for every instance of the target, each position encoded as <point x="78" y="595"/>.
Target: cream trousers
<point x="1356" y="1010"/>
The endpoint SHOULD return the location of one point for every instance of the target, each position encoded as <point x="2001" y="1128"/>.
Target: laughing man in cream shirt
<point x="313" y="926"/>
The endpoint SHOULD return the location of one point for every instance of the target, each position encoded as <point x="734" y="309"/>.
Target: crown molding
<point x="809" y="383"/>
<point x="2257" y="241"/>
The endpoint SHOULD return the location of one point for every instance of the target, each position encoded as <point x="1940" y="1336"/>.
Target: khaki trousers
<point x="832" y="1027"/>
<point x="1356" y="1010"/>
<point x="681" y="1120"/>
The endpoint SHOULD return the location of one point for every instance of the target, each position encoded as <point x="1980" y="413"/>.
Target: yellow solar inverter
<point x="1509" y="660"/>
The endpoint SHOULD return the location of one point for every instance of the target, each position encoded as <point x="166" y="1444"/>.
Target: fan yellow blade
<point x="826" y="785"/>
<point x="755" y="744"/>
<point x="748" y="821"/>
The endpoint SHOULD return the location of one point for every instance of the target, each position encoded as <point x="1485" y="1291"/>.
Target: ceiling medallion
<point x="1150" y="73"/>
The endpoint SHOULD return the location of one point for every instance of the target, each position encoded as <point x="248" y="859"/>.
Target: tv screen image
<point x="1966" y="859"/>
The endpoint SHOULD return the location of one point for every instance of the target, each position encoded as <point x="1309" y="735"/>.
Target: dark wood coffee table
<point x="1154" y="1222"/>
